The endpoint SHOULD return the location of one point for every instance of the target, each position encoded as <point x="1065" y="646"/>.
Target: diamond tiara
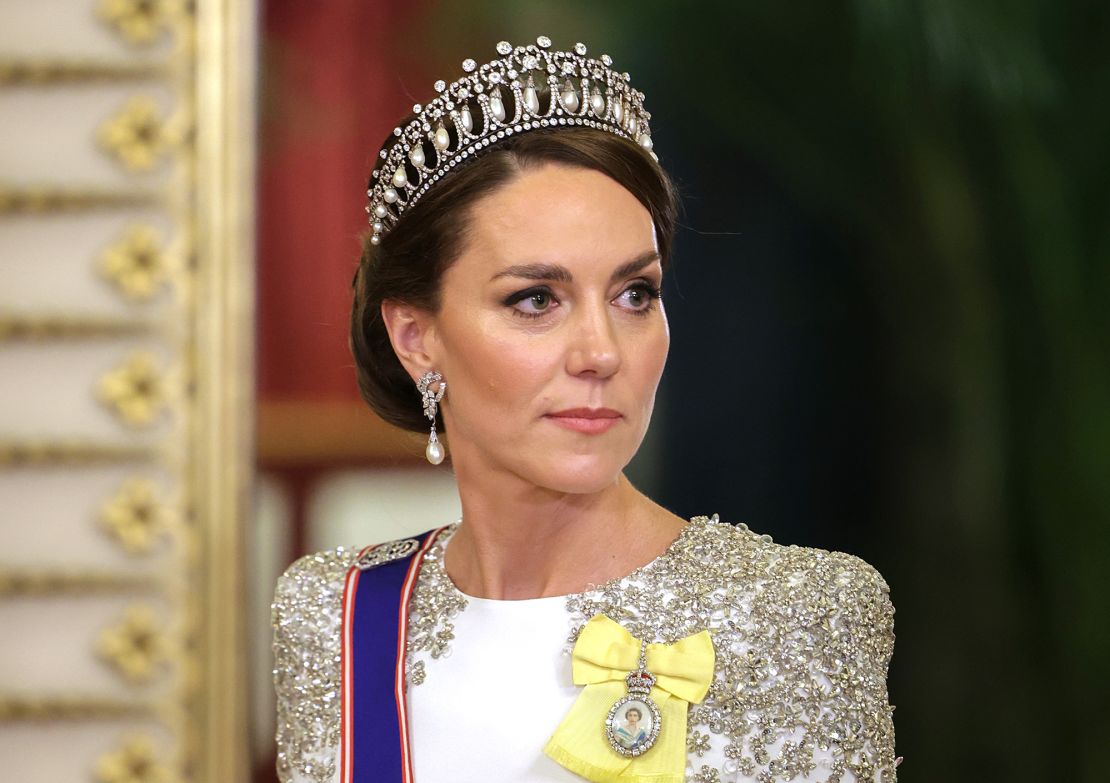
<point x="581" y="91"/>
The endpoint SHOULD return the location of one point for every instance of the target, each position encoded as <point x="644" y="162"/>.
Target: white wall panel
<point x="32" y="28"/>
<point x="52" y="519"/>
<point x="51" y="135"/>
<point x="53" y="392"/>
<point x="51" y="263"/>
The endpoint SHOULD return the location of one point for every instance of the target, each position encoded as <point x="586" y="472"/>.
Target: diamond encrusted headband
<point x="582" y="91"/>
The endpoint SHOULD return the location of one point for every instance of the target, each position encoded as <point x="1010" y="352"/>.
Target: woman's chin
<point x="579" y="475"/>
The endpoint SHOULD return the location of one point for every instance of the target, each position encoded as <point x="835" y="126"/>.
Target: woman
<point x="521" y="226"/>
<point x="631" y="733"/>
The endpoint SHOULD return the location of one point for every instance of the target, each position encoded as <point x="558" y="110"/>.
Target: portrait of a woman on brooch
<point x="630" y="732"/>
<point x="508" y="304"/>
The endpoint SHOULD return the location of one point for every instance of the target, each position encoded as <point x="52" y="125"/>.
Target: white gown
<point x="803" y="638"/>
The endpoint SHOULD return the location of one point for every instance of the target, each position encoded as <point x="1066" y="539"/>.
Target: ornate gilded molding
<point x="71" y="453"/>
<point x="144" y="22"/>
<point x="46" y="199"/>
<point x="136" y="518"/>
<point x="59" y="327"/>
<point x="44" y="72"/>
<point x="136" y="391"/>
<point x="26" y="583"/>
<point x="17" y="708"/>
<point x="202" y="59"/>
<point x="137" y="264"/>
<point x="136" y="646"/>
<point x="135" y="761"/>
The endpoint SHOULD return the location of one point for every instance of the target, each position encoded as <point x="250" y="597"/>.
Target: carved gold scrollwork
<point x="27" y="708"/>
<point x="135" y="391"/>
<point x="75" y="453"/>
<point x="143" y="22"/>
<point x="134" y="762"/>
<point x="46" y="199"/>
<point x="43" y="72"/>
<point x="48" y="327"/>
<point x="135" y="517"/>
<point x="43" y="582"/>
<point x="136" y="647"/>
<point x="136" y="264"/>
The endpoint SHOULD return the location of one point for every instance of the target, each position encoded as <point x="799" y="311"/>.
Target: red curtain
<point x="329" y="93"/>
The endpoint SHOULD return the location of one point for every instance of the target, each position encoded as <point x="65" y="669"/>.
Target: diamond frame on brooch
<point x="611" y="719"/>
<point x="639" y="683"/>
<point x="581" y="91"/>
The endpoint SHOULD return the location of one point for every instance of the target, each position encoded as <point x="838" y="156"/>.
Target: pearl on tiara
<point x="490" y="103"/>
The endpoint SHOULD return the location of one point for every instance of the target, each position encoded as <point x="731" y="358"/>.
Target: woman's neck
<point x="536" y="543"/>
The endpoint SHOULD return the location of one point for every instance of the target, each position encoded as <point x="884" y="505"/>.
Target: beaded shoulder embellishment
<point x="434" y="604"/>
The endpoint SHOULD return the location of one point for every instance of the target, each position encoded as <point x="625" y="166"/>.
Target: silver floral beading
<point x="492" y="102"/>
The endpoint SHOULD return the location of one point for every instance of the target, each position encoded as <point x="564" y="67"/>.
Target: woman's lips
<point x="586" y="420"/>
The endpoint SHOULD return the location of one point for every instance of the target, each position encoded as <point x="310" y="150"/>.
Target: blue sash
<point x="374" y="743"/>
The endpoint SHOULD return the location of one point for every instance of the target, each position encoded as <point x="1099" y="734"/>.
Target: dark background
<point x="888" y="303"/>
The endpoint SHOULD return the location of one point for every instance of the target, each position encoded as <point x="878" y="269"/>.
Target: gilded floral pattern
<point x="136" y="517"/>
<point x="134" y="391"/>
<point x="138" y="135"/>
<point x="136" y="263"/>
<point x="135" y="762"/>
<point x="136" y="646"/>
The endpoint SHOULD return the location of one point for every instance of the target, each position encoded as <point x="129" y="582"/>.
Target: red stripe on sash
<point x="402" y="639"/>
<point x="349" y="588"/>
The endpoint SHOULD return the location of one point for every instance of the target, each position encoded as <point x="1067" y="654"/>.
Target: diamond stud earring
<point x="434" y="452"/>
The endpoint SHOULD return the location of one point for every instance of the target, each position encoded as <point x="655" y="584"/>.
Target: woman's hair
<point x="408" y="264"/>
<point x="630" y="710"/>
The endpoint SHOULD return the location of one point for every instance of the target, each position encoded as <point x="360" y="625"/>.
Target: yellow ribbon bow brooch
<point x="629" y="722"/>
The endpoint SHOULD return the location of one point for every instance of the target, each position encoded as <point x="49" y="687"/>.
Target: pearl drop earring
<point x="434" y="452"/>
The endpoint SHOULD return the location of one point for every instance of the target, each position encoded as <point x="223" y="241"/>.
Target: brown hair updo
<point x="408" y="264"/>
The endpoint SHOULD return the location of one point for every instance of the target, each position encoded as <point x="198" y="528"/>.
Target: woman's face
<point x="552" y="307"/>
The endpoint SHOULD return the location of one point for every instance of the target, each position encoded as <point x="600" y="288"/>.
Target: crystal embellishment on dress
<point x="803" y="640"/>
<point x="630" y="736"/>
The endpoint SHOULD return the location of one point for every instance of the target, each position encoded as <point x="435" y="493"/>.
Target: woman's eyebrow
<point x="563" y="275"/>
<point x="635" y="265"/>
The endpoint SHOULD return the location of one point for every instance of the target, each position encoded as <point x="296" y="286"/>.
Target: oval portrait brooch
<point x="633" y="722"/>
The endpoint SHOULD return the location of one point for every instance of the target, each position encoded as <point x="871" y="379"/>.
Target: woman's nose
<point x="593" y="348"/>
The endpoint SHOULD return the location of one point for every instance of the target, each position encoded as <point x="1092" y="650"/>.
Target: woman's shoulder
<point x="306" y="615"/>
<point x="307" y="623"/>
<point x="796" y="625"/>
<point x="747" y="569"/>
<point x="314" y="577"/>
<point x="739" y="551"/>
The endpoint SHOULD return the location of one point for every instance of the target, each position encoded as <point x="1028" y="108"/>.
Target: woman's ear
<point x="412" y="333"/>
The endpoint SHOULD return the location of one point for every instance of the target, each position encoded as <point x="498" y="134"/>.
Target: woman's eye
<point x="640" y="296"/>
<point x="540" y="301"/>
<point x="532" y="303"/>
